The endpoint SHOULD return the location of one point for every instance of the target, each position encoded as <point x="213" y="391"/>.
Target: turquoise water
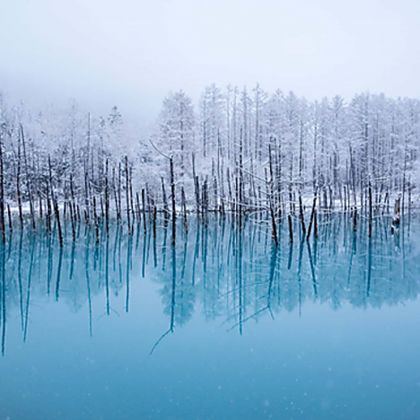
<point x="223" y="325"/>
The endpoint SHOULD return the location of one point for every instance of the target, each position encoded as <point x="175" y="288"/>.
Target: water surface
<point x="223" y="325"/>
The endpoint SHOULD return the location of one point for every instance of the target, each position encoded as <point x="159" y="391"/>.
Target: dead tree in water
<point x="87" y="198"/>
<point x="196" y="186"/>
<point x="96" y="220"/>
<point x="114" y="188"/>
<point x="143" y="209"/>
<point x="164" y="199"/>
<point x="313" y="216"/>
<point x="270" y="194"/>
<point x="133" y="213"/>
<point x="119" y="190"/>
<point x="354" y="219"/>
<point x="302" y="216"/>
<point x="9" y="214"/>
<point x="72" y="213"/>
<point x="49" y="208"/>
<point x="184" y="208"/>
<point x="55" y="204"/>
<point x="273" y="225"/>
<point x="106" y="199"/>
<point x="397" y="215"/>
<point x="28" y="179"/>
<point x="204" y="202"/>
<point x="138" y="208"/>
<point x="370" y="210"/>
<point x="127" y="194"/>
<point x="73" y="206"/>
<point x="171" y="164"/>
<point x="18" y="190"/>
<point x="2" y="198"/>
<point x="289" y="220"/>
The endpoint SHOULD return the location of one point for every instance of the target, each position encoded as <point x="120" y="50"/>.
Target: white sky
<point x="132" y="52"/>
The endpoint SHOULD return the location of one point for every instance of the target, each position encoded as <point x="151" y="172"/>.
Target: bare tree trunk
<point x="95" y="220"/>
<point x="196" y="186"/>
<point x="289" y="220"/>
<point x="184" y="208"/>
<point x="370" y="211"/>
<point x="9" y="214"/>
<point x="28" y="179"/>
<point x="127" y="195"/>
<point x="2" y="198"/>
<point x="164" y="199"/>
<point x="49" y="209"/>
<point x="131" y="196"/>
<point x="171" y="164"/>
<point x="302" y="216"/>
<point x="106" y="199"/>
<point x="55" y="205"/>
<point x="273" y="225"/>
<point x="312" y="215"/>
<point x="18" y="190"/>
<point x="143" y="204"/>
<point x="354" y="219"/>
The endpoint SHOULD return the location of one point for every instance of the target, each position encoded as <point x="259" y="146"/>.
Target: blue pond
<point x="220" y="326"/>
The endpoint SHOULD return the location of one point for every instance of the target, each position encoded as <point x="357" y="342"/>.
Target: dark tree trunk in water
<point x="370" y="211"/>
<point x="302" y="216"/>
<point x="55" y="205"/>
<point x="313" y="212"/>
<point x="289" y="220"/>
<point x="28" y="180"/>
<point x="127" y="194"/>
<point x="2" y="199"/>
<point x="171" y="164"/>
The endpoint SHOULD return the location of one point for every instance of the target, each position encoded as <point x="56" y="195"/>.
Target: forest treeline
<point x="239" y="150"/>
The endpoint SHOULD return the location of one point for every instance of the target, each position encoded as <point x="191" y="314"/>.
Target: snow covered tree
<point x="176" y="134"/>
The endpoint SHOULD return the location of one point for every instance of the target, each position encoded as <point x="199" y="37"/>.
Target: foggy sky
<point x="131" y="53"/>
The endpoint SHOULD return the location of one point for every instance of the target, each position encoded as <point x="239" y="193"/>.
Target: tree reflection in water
<point x="229" y="273"/>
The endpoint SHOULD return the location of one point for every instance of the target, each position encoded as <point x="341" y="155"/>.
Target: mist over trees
<point x="237" y="146"/>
